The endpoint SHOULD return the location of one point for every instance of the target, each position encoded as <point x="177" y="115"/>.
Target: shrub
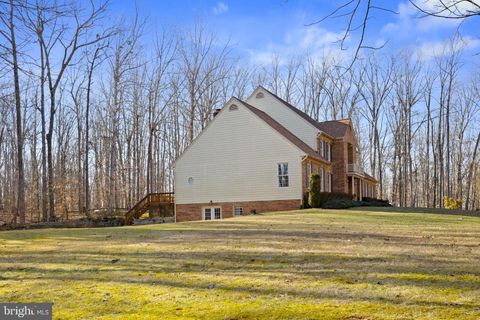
<point x="336" y="200"/>
<point x="373" y="202"/>
<point x="378" y="203"/>
<point x="345" y="202"/>
<point x="327" y="196"/>
<point x="305" y="204"/>
<point x="340" y="203"/>
<point x="452" y="203"/>
<point x="314" y="192"/>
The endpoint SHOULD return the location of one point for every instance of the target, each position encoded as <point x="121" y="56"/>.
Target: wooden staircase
<point x="152" y="201"/>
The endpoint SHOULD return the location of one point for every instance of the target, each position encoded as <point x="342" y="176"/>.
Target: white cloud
<point x="221" y="7"/>
<point x="410" y="20"/>
<point x="432" y="49"/>
<point x="314" y="40"/>
<point x="447" y="8"/>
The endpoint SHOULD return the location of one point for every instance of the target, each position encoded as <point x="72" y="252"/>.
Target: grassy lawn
<point x="310" y="264"/>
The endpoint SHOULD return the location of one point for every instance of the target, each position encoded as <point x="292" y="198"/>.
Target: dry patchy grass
<point x="310" y="264"/>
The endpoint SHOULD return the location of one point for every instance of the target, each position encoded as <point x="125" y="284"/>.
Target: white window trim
<point x="212" y="213"/>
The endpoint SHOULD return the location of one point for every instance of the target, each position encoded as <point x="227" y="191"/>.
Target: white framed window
<point x="212" y="213"/>
<point x="328" y="155"/>
<point x="207" y="214"/>
<point x="321" y="148"/>
<point x="238" y="211"/>
<point x="218" y="213"/>
<point x="283" y="174"/>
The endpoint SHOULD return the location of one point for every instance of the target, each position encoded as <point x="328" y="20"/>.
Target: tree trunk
<point x="470" y="172"/>
<point x="51" y="185"/>
<point x="18" y="116"/>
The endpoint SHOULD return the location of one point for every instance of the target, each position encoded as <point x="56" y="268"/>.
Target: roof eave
<point x="327" y="135"/>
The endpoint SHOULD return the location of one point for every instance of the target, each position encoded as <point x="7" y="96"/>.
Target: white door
<point x="213" y="213"/>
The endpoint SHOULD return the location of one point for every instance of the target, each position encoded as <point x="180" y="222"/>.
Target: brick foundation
<point x="193" y="211"/>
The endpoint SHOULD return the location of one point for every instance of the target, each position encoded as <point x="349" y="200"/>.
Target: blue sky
<point x="259" y="29"/>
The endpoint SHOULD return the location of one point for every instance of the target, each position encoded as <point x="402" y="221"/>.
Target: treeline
<point x="93" y="113"/>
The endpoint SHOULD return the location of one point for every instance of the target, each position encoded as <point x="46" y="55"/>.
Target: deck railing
<point x="355" y="168"/>
<point x="151" y="200"/>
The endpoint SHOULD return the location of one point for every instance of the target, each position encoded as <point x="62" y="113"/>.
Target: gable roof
<point x="302" y="114"/>
<point x="281" y="130"/>
<point x="297" y="111"/>
<point x="335" y="128"/>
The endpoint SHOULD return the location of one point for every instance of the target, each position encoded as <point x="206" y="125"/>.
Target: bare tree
<point x="374" y="84"/>
<point x="358" y="13"/>
<point x="200" y="60"/>
<point x="93" y="62"/>
<point x="66" y="45"/>
<point x="9" y="21"/>
<point x="448" y="9"/>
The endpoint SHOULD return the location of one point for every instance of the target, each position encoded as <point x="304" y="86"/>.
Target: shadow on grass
<point x="342" y="292"/>
<point x="396" y="269"/>
<point x="285" y="258"/>
<point x="468" y="213"/>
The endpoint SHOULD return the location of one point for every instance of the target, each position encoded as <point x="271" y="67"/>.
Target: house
<point x="257" y="155"/>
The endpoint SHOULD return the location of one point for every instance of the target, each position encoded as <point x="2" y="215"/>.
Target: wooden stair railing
<point x="151" y="200"/>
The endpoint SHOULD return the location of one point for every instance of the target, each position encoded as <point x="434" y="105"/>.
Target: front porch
<point x="361" y="187"/>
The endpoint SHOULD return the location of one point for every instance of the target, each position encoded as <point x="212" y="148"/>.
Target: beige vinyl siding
<point x="235" y="159"/>
<point x="286" y="117"/>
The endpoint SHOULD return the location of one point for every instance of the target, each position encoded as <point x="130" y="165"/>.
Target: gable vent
<point x="233" y="107"/>
<point x="260" y="95"/>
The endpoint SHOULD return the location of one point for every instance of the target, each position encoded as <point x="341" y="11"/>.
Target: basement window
<point x="218" y="213"/>
<point x="283" y="175"/>
<point x="238" y="211"/>
<point x="207" y="214"/>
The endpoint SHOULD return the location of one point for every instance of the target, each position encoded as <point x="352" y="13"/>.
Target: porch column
<point x="353" y="185"/>
<point x="361" y="189"/>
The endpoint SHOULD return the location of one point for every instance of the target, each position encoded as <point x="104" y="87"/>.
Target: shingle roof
<point x="282" y="130"/>
<point x="297" y="111"/>
<point x="335" y="128"/>
<point x="366" y="175"/>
